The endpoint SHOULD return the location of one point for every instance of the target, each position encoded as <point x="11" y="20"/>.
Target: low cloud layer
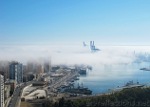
<point x="73" y="54"/>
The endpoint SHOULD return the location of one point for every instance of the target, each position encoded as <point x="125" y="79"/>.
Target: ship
<point x="128" y="85"/>
<point x="131" y="84"/>
<point x="145" y="69"/>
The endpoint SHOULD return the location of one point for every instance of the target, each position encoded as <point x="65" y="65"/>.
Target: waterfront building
<point x="1" y="91"/>
<point x="7" y="92"/>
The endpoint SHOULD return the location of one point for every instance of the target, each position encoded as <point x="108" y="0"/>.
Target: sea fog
<point x="76" y="54"/>
<point x="113" y="66"/>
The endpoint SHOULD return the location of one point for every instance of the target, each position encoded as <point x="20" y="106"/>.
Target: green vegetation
<point x="134" y="97"/>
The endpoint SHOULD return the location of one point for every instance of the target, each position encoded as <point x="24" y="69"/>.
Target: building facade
<point x="6" y="92"/>
<point x="1" y="91"/>
<point x="16" y="72"/>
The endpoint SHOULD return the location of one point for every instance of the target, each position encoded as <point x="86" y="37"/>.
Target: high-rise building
<point x="16" y="72"/>
<point x="1" y="91"/>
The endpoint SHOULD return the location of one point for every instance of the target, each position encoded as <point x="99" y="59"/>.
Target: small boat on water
<point x="145" y="69"/>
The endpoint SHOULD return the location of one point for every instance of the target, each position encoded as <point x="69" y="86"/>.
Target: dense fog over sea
<point x="112" y="66"/>
<point x="74" y="54"/>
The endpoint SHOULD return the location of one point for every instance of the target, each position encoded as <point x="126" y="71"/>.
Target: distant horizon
<point x="70" y="44"/>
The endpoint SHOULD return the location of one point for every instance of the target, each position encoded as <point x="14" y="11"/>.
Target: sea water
<point x="104" y="78"/>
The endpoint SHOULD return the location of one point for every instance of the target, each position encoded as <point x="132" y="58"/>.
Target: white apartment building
<point x="1" y="91"/>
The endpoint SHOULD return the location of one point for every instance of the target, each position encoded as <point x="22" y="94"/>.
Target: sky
<point x="107" y="22"/>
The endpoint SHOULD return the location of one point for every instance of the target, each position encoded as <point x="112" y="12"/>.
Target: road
<point x="15" y="99"/>
<point x="17" y="94"/>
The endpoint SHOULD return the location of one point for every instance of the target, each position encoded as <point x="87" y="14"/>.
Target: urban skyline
<point x="74" y="53"/>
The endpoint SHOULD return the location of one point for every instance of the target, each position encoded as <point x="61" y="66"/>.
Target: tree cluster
<point x="134" y="97"/>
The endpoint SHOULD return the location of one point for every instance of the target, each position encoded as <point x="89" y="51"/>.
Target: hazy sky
<point x="108" y="22"/>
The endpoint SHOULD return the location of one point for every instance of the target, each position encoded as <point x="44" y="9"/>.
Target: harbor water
<point x="104" y="78"/>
